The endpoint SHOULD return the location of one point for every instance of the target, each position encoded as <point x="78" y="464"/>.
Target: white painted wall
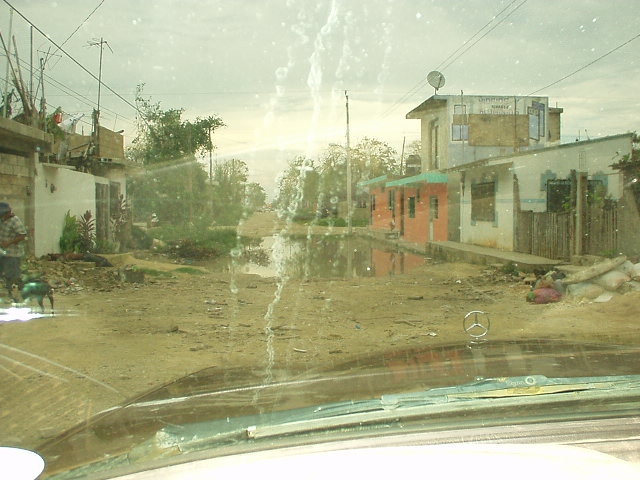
<point x="593" y="157"/>
<point x="498" y="234"/>
<point x="59" y="190"/>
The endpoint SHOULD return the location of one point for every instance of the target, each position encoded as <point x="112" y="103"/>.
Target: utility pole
<point x="5" y="100"/>
<point x="210" y="158"/>
<point x="349" y="203"/>
<point x="31" y="98"/>
<point x="101" y="43"/>
<point x="96" y="114"/>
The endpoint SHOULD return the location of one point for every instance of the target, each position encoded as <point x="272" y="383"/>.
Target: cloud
<point x="276" y="71"/>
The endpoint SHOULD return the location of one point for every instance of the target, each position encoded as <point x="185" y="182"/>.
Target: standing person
<point x="12" y="237"/>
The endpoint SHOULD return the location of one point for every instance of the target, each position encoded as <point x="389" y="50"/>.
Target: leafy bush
<point x="105" y="246"/>
<point x="193" y="242"/>
<point x="78" y="236"/>
<point x="141" y="239"/>
<point x="511" y="268"/>
<point x="87" y="232"/>
<point x="70" y="239"/>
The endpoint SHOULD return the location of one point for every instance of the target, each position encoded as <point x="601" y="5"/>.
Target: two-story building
<point x="42" y="187"/>
<point x="495" y="169"/>
<point x="503" y="157"/>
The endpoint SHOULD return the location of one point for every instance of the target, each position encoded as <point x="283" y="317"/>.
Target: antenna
<point x="436" y="80"/>
<point x="101" y="43"/>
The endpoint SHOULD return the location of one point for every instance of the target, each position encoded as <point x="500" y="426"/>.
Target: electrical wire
<point x="75" y="31"/>
<point x="59" y="47"/>
<point x="87" y="102"/>
<point x="452" y="57"/>
<point x="449" y="60"/>
<point x="586" y="65"/>
<point x="70" y="92"/>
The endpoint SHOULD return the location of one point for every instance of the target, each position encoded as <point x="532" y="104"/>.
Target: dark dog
<point x="37" y="289"/>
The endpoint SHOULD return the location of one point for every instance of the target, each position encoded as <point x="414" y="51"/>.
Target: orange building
<point x="414" y="208"/>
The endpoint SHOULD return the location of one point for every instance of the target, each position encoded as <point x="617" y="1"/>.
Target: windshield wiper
<point x="484" y="402"/>
<point x="511" y="387"/>
<point x="485" y="393"/>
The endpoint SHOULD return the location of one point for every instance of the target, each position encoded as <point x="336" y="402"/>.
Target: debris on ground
<point x="544" y="295"/>
<point x="72" y="274"/>
<point x="597" y="282"/>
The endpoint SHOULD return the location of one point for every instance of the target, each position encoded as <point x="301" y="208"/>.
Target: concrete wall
<point x="419" y="229"/>
<point x="498" y="126"/>
<point x="381" y="215"/>
<point x="423" y="228"/>
<point x="498" y="233"/>
<point x="533" y="169"/>
<point x="40" y="193"/>
<point x="594" y="157"/>
<point x="428" y="139"/>
<point x="16" y="189"/>
<point x="58" y="190"/>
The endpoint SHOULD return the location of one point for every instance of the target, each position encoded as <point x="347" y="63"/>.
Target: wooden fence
<point x="545" y="234"/>
<point x="601" y="230"/>
<point x="551" y="234"/>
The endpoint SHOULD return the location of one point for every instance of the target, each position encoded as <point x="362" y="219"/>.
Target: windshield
<point x="218" y="209"/>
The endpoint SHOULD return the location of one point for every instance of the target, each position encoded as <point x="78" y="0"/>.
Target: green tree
<point x="178" y="191"/>
<point x="255" y="196"/>
<point x="172" y="181"/>
<point x="229" y="182"/>
<point x="414" y="148"/>
<point x="629" y="165"/>
<point x="163" y="135"/>
<point x="369" y="158"/>
<point x="297" y="189"/>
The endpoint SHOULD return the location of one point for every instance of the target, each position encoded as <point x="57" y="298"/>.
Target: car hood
<point x="225" y="393"/>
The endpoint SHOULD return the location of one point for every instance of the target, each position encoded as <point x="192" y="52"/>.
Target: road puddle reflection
<point x="324" y="257"/>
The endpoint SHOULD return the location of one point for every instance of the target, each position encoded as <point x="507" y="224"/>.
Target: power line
<point x="86" y="102"/>
<point x="73" y="59"/>
<point x="587" y="65"/>
<point x="453" y="59"/>
<point x="69" y="91"/>
<point x="78" y="28"/>
<point x="465" y="47"/>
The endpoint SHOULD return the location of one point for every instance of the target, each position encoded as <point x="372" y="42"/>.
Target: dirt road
<point x="109" y="341"/>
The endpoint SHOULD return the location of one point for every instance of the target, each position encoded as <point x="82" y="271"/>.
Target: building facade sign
<point x="494" y="105"/>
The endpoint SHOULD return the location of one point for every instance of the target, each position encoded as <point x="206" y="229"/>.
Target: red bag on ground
<point x="543" y="295"/>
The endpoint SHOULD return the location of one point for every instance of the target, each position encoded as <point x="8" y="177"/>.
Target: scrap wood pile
<point x="598" y="282"/>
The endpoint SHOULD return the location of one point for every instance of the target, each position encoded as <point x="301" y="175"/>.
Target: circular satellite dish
<point x="435" y="79"/>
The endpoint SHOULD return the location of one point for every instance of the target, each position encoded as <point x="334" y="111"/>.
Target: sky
<point x="278" y="72"/>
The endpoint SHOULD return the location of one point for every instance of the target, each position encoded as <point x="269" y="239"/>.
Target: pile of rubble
<point x="71" y="275"/>
<point x="593" y="279"/>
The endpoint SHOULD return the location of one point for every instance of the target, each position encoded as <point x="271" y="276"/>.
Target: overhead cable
<point x="59" y="47"/>
<point x="587" y="64"/>
<point x="452" y="57"/>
